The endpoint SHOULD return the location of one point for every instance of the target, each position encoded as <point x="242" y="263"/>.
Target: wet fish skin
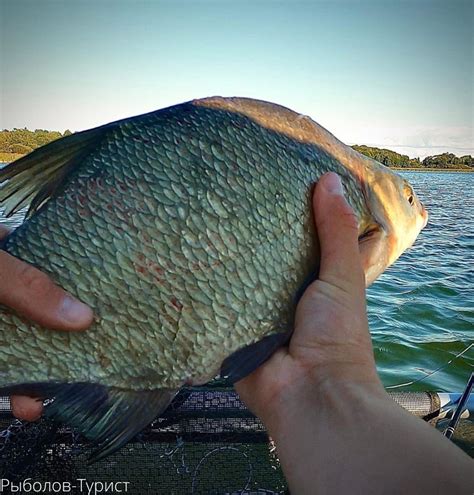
<point x="188" y="231"/>
<point x="157" y="207"/>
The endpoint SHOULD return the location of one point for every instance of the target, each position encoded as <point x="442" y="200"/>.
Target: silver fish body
<point x="188" y="231"/>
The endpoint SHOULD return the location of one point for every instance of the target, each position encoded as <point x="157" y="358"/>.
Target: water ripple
<point x="421" y="312"/>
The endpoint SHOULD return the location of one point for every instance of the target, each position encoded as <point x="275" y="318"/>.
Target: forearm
<point x="355" y="439"/>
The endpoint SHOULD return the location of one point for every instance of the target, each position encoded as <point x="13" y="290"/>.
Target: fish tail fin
<point x="37" y="177"/>
<point x="107" y="416"/>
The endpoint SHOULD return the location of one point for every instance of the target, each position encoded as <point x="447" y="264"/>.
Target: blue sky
<point x="390" y="73"/>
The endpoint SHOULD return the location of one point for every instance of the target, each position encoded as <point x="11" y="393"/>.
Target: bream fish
<point x="188" y="230"/>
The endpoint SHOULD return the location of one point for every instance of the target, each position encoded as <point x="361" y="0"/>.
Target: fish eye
<point x="408" y="193"/>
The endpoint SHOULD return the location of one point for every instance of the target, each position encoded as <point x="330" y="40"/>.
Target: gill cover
<point x="397" y="219"/>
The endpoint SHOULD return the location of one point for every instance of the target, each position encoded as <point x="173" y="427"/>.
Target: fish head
<point x="396" y="217"/>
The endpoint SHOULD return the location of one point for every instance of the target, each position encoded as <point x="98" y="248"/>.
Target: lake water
<point x="421" y="310"/>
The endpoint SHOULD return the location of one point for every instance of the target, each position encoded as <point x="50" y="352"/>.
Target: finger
<point x="337" y="228"/>
<point x="33" y="294"/>
<point x="26" y="408"/>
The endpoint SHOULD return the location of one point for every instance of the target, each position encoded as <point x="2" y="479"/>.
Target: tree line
<point x="392" y="159"/>
<point x="19" y="142"/>
<point x="23" y="141"/>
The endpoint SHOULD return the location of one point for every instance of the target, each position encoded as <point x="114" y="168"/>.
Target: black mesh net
<point x="207" y="442"/>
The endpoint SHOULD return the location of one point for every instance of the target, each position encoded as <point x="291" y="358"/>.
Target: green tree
<point x="19" y="148"/>
<point x="387" y="157"/>
<point x="23" y="141"/>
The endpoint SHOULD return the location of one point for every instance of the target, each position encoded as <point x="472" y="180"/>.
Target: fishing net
<point x="207" y="442"/>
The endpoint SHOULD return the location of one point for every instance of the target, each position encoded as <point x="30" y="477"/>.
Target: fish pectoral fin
<point x="108" y="416"/>
<point x="374" y="247"/>
<point x="243" y="361"/>
<point x="35" y="178"/>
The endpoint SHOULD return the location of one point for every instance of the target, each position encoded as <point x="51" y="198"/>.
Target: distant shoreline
<point x="10" y="157"/>
<point x="431" y="169"/>
<point x="16" y="143"/>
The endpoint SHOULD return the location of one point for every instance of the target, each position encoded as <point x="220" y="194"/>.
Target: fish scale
<point x="188" y="231"/>
<point x="94" y="186"/>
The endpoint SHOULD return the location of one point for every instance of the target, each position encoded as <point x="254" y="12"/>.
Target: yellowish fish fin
<point x="35" y="178"/>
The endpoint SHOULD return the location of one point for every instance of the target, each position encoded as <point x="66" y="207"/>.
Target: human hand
<point x="321" y="399"/>
<point x="331" y="341"/>
<point x="33" y="294"/>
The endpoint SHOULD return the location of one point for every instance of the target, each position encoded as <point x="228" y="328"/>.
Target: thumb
<point x="338" y="233"/>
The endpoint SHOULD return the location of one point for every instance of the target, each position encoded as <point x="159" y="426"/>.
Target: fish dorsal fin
<point x="37" y="177"/>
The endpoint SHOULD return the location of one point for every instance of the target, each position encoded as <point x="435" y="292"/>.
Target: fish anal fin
<point x="107" y="416"/>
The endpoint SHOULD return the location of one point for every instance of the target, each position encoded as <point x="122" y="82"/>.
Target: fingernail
<point x="73" y="310"/>
<point x="333" y="184"/>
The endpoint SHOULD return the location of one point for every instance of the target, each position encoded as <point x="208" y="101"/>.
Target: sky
<point x="387" y="73"/>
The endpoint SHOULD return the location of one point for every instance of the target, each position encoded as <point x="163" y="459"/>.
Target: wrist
<point x="320" y="394"/>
